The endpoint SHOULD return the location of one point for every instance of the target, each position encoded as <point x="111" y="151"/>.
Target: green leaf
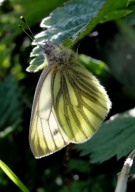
<point x="77" y="18"/>
<point x="71" y="20"/>
<point x="10" y="19"/>
<point x="35" y="64"/>
<point x="96" y="66"/>
<point x="13" y="177"/>
<point x="80" y="165"/>
<point x="115" y="137"/>
<point x="130" y="19"/>
<point x="120" y="57"/>
<point x="10" y="106"/>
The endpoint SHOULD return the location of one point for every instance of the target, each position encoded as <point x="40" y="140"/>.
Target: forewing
<point x="46" y="135"/>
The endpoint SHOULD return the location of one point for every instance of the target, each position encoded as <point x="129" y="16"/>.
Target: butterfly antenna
<point x="25" y="32"/>
<point x="30" y="35"/>
<point x="24" y="21"/>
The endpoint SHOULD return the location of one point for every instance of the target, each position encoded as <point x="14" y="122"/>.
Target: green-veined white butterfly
<point x="69" y="103"/>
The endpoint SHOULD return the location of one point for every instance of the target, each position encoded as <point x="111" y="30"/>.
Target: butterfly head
<point x="54" y="53"/>
<point x="48" y="47"/>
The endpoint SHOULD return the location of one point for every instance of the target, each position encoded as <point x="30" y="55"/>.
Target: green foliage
<point x="11" y="107"/>
<point x="103" y="146"/>
<point x="10" y="12"/>
<point x="97" y="67"/>
<point x="80" y="165"/>
<point x="13" y="177"/>
<point x="74" y="21"/>
<point x="110" y="58"/>
<point x="120" y="56"/>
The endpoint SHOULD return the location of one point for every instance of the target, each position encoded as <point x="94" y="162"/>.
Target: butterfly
<point x="69" y="103"/>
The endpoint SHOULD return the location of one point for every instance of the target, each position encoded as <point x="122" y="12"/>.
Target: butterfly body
<point x="69" y="103"/>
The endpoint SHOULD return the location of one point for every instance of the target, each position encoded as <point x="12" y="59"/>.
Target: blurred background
<point x="112" y="44"/>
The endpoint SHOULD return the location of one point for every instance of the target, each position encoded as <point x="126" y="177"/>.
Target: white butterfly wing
<point x="46" y="135"/>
